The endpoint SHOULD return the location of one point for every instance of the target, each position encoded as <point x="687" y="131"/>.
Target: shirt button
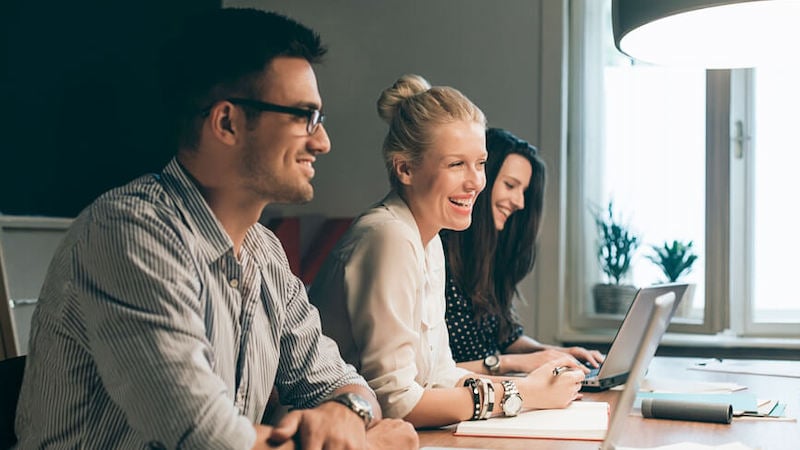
<point x="155" y="445"/>
<point x="234" y="283"/>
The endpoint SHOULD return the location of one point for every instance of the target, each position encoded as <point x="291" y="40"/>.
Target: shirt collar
<point x="182" y="188"/>
<point x="399" y="208"/>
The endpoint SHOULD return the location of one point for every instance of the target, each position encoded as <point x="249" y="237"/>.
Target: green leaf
<point x="675" y="258"/>
<point x="616" y="244"/>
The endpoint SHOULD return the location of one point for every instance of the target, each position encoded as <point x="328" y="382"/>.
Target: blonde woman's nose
<point x="477" y="178"/>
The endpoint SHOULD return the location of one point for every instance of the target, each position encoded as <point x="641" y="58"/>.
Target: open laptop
<point x="655" y="325"/>
<point x="614" y="370"/>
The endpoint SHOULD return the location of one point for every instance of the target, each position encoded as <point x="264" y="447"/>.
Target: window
<point x="689" y="155"/>
<point x="764" y="178"/>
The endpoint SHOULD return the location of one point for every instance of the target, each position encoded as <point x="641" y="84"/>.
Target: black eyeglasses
<point x="314" y="117"/>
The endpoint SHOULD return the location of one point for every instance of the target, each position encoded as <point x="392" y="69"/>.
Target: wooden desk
<point x="767" y="435"/>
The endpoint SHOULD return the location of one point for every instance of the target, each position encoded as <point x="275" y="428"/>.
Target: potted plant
<point x="675" y="259"/>
<point x="616" y="247"/>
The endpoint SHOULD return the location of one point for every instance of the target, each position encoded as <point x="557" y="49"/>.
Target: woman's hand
<point x="539" y="353"/>
<point x="528" y="362"/>
<point x="590" y="357"/>
<point x="544" y="389"/>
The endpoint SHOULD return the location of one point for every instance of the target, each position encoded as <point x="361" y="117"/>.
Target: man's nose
<point x="319" y="141"/>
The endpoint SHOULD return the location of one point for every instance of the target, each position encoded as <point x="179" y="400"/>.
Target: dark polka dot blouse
<point x="470" y="340"/>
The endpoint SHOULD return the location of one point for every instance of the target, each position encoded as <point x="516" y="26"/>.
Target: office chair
<point x="27" y="244"/>
<point x="11" y="371"/>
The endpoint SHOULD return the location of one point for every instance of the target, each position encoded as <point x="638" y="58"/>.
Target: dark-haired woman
<point x="487" y="261"/>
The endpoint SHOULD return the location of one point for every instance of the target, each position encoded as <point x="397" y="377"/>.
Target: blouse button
<point x="234" y="283"/>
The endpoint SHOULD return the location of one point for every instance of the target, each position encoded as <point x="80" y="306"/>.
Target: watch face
<point x="491" y="360"/>
<point x="360" y="406"/>
<point x="512" y="405"/>
<point x="361" y="403"/>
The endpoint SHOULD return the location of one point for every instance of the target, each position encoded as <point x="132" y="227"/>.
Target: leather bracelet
<point x="476" y="397"/>
<point x="487" y="391"/>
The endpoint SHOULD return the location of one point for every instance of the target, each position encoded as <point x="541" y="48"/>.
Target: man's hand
<point x="392" y="434"/>
<point x="330" y="425"/>
<point x="262" y="435"/>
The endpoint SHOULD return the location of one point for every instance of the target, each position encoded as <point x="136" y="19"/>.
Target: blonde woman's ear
<point x="403" y="171"/>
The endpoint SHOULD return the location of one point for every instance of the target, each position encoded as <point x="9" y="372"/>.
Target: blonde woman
<point x="381" y="290"/>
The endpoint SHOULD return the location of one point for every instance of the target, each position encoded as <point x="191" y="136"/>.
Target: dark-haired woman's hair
<point x="486" y="264"/>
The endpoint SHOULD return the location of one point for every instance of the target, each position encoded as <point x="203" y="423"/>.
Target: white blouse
<point x="380" y="295"/>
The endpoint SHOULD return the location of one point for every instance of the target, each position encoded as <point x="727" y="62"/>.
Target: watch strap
<point x="510" y="391"/>
<point x="357" y="404"/>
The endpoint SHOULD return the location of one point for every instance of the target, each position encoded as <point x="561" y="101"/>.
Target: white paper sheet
<point x="773" y="368"/>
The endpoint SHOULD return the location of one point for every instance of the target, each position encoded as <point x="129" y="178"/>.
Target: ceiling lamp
<point x="713" y="34"/>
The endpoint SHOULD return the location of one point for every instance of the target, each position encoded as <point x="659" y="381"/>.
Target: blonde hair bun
<point x="404" y="88"/>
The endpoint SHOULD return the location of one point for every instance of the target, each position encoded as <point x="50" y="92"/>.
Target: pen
<point x="557" y="371"/>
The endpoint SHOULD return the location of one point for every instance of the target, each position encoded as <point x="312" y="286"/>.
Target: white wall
<point x="493" y="51"/>
<point x="491" y="54"/>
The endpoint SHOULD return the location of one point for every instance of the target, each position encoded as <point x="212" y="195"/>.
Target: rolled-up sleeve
<point x="448" y="374"/>
<point x="382" y="278"/>
<point x="144" y="324"/>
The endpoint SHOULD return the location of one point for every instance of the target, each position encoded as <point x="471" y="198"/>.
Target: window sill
<point x="713" y="346"/>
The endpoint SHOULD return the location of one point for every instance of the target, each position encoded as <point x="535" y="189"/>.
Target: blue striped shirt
<point x="151" y="333"/>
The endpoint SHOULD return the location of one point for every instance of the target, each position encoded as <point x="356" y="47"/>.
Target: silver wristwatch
<point x="357" y="404"/>
<point x="492" y="364"/>
<point x="512" y="401"/>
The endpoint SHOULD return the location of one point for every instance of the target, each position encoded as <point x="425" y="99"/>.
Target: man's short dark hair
<point x="221" y="54"/>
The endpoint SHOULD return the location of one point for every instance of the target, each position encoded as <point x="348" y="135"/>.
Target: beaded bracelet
<point x="487" y="391"/>
<point x="476" y="397"/>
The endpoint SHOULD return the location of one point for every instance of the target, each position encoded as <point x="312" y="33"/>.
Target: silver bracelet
<point x="487" y="391"/>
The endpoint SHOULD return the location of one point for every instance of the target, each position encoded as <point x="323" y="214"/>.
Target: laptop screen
<point x="654" y="327"/>
<point x="623" y="349"/>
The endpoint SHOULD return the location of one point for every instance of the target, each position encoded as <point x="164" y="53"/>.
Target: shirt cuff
<point x="451" y="377"/>
<point x="398" y="403"/>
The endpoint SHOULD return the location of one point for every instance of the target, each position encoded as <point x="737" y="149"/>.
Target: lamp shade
<point x="712" y="34"/>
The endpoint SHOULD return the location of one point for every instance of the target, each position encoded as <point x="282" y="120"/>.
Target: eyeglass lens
<point x="315" y="119"/>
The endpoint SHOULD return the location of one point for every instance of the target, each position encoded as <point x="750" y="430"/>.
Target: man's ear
<point x="403" y="170"/>
<point x="222" y="120"/>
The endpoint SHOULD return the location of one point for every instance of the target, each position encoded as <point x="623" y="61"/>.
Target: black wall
<point x="79" y="100"/>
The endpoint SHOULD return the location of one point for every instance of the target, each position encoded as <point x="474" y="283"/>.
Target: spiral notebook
<point x="584" y="420"/>
<point x="580" y="421"/>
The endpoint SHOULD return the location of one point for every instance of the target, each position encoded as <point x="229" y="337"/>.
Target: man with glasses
<point x="169" y="313"/>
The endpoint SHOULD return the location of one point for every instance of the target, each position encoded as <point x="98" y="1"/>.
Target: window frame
<point x="580" y="231"/>
<point x="742" y="184"/>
